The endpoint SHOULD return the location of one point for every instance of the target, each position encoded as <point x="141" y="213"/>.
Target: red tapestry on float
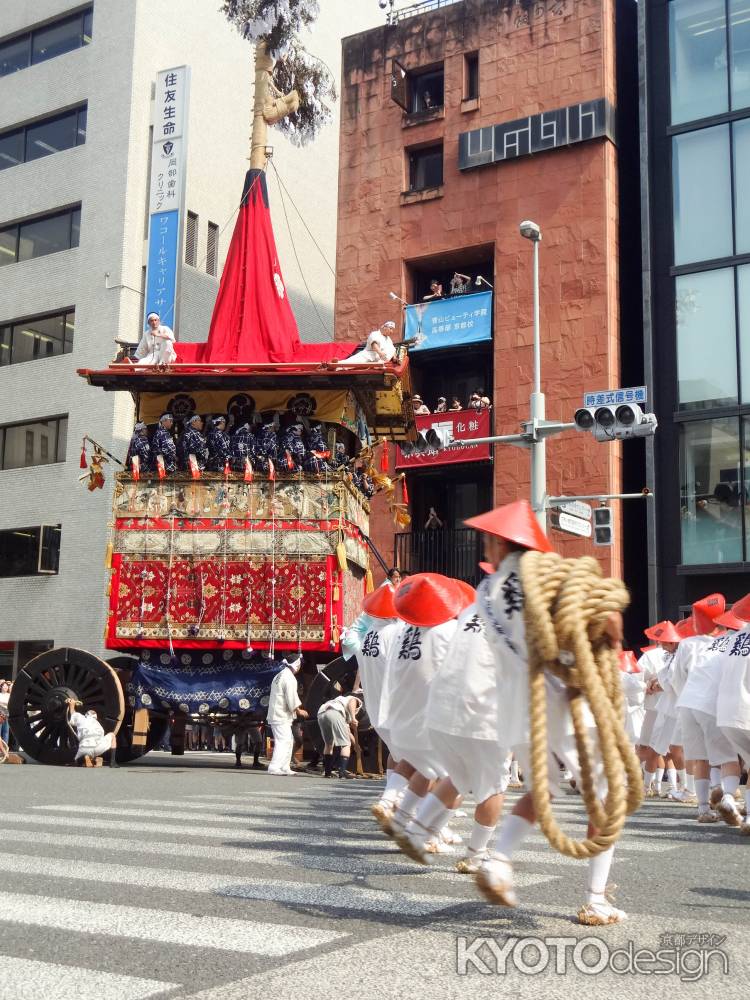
<point x="252" y="321"/>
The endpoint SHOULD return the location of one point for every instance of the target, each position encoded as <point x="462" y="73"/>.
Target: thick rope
<point x="567" y="607"/>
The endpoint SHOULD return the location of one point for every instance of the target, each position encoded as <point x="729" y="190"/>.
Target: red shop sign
<point x="448" y="426"/>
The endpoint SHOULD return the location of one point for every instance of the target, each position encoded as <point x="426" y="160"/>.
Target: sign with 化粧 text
<point x="451" y="322"/>
<point x="461" y="424"/>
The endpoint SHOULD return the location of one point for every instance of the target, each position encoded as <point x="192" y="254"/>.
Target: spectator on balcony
<point x="442" y="405"/>
<point x="436" y="291"/>
<point x="419" y="405"/>
<point x="456" y="404"/>
<point x="460" y="283"/>
<point x="479" y="400"/>
<point x="433" y="522"/>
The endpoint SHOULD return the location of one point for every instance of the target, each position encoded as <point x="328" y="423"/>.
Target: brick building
<point x="458" y="121"/>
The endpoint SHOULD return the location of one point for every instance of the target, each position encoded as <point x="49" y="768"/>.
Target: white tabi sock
<point x="690" y="783"/>
<point x="731" y="783"/>
<point x="658" y="779"/>
<point x="682" y="775"/>
<point x="672" y="779"/>
<point x="512" y="833"/>
<point x="407" y="807"/>
<point x="648" y="777"/>
<point x="598" y="873"/>
<point x="432" y="816"/>
<point x="480" y="837"/>
<point x="702" y="790"/>
<point x="715" y="776"/>
<point x="514" y="771"/>
<point x="394" y="784"/>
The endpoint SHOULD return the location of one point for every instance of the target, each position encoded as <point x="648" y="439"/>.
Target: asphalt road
<point x="182" y="877"/>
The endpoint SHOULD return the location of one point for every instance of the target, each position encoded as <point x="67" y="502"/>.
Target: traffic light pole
<point x="538" y="445"/>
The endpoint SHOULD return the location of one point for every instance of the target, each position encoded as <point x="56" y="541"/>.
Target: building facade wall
<point x="551" y="56"/>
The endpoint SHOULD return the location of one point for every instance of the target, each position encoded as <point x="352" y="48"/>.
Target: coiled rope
<point x="567" y="607"/>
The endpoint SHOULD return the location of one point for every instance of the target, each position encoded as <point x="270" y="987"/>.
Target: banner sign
<point x="460" y="319"/>
<point x="448" y="427"/>
<point x="228" y="682"/>
<point x="614" y="397"/>
<point x="167" y="192"/>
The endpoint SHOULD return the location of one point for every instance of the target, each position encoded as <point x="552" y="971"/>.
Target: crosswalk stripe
<point x="27" y="979"/>
<point x="315" y="894"/>
<point x="163" y="926"/>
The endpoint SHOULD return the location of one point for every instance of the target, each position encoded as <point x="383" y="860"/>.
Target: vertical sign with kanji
<point x="167" y="193"/>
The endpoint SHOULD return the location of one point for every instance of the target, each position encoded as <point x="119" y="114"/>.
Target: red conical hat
<point x="685" y="628"/>
<point x="487" y="567"/>
<point x="647" y="649"/>
<point x="429" y="599"/>
<point x="379" y="603"/>
<point x="627" y="662"/>
<point x="515" y="522"/>
<point x="705" y="610"/>
<point x="741" y="609"/>
<point x="730" y="620"/>
<point x="663" y="632"/>
<point x="469" y="594"/>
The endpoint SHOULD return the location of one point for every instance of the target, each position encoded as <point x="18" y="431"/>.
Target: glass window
<point x="741" y="139"/>
<point x="706" y="343"/>
<point x="81" y="131"/>
<point x="8" y="245"/>
<point x="88" y="27"/>
<point x="427" y="91"/>
<point x="56" y="39"/>
<point x="425" y="168"/>
<point x="6" y="340"/>
<point x="38" y="338"/>
<point x="11" y="149"/>
<point x="14" y="55"/>
<point x="49" y="234"/>
<point x="743" y="312"/>
<point x="471" y="76"/>
<point x="710" y="503"/>
<point x="698" y="59"/>
<point x="51" y="136"/>
<point x="702" y="208"/>
<point x="191" y="240"/>
<point x="28" y="551"/>
<point x="739" y="47"/>
<point x="36" y="443"/>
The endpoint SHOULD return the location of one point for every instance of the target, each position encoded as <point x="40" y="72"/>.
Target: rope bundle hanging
<point x="568" y="605"/>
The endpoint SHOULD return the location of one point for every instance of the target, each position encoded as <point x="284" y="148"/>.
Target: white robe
<point x="369" y="356"/>
<point x="702" y="685"/>
<point x="373" y="654"/>
<point x="650" y="664"/>
<point x="155" y="350"/>
<point x="733" y="698"/>
<point x="283" y="700"/>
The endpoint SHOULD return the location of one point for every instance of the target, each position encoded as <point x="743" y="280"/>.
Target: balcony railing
<point x="452" y="551"/>
<point x="423" y="7"/>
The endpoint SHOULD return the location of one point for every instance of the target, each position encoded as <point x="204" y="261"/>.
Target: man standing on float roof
<point x="157" y="343"/>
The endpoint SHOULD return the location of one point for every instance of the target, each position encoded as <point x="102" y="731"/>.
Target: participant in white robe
<point x="379" y="348"/>
<point x="283" y="704"/>
<point x="157" y="344"/>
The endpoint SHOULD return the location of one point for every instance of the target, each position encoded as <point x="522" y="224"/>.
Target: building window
<point x="702" y="212"/>
<point x="40" y="138"/>
<point x="739" y="53"/>
<point x="741" y="150"/>
<point x="44" y="43"/>
<point x="21" y="444"/>
<point x="38" y="237"/>
<point x="30" y="551"/>
<point x="425" y="167"/>
<point x="418" y="91"/>
<point x="471" y="76"/>
<point x="212" y="249"/>
<point x="712" y="500"/>
<point x="37" y="337"/>
<point x="191" y="240"/>
<point x="706" y="339"/>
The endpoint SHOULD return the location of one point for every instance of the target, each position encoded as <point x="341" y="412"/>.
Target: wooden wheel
<point x="37" y="711"/>
<point x="157" y="723"/>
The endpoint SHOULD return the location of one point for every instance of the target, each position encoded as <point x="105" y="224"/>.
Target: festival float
<point x="216" y="576"/>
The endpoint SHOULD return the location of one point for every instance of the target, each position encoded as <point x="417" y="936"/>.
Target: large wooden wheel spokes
<point x="37" y="710"/>
<point x="157" y="721"/>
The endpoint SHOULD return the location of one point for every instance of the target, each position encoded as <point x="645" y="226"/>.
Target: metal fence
<point x="452" y="551"/>
<point x="423" y="7"/>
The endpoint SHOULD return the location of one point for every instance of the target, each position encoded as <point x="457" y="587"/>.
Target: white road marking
<point x="25" y="979"/>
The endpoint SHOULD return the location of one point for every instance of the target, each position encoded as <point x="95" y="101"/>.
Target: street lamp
<point x="531" y="231"/>
<point x="396" y="298"/>
<point x="482" y="281"/>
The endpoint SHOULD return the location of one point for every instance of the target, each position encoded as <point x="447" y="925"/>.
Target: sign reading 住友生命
<point x="616" y="397"/>
<point x="167" y="192"/>
<point x="570" y="524"/>
<point x="448" y="426"/>
<point x="451" y="322"/>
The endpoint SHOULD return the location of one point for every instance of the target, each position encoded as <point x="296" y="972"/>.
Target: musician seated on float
<point x="292" y="452"/>
<point x="138" y="459"/>
<point x="219" y="445"/>
<point x="93" y="742"/>
<point x="316" y="459"/>
<point x="157" y="343"/>
<point x="192" y="449"/>
<point x="378" y="349"/>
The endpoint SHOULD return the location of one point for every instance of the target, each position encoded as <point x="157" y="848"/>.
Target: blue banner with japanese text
<point x="460" y="319"/>
<point x="161" y="284"/>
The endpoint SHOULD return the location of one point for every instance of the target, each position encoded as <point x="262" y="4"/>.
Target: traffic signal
<point x="603" y="531"/>
<point x="610" y="423"/>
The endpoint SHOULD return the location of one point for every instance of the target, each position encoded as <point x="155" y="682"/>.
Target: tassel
<point x="384" y="456"/>
<point x="289" y="460"/>
<point x="248" y="471"/>
<point x="369" y="582"/>
<point x="341" y="556"/>
<point x="335" y="633"/>
<point x="271" y="471"/>
<point x="160" y="467"/>
<point x="227" y="470"/>
<point x="195" y="472"/>
<point x="405" y="491"/>
<point x="83" y="464"/>
<point x="336" y="592"/>
<point x="108" y="556"/>
<point x="135" y="465"/>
